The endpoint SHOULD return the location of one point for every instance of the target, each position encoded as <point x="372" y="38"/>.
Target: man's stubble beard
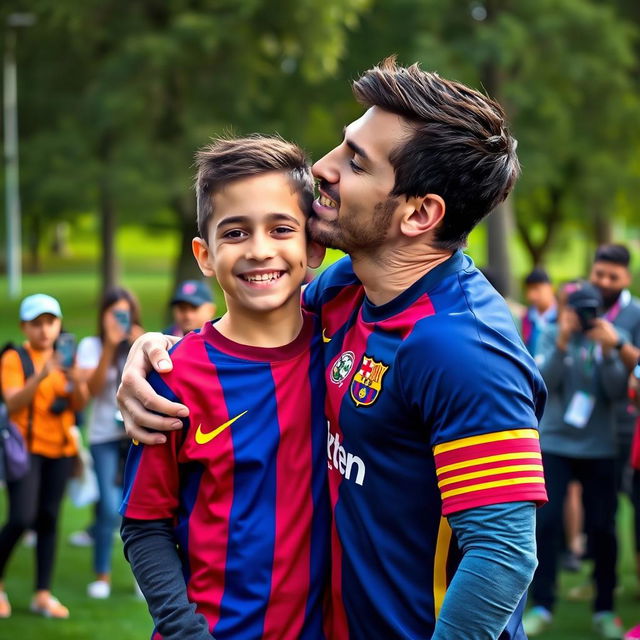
<point x="351" y="236"/>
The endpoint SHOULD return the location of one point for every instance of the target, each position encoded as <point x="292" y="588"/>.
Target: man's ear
<point x="315" y="254"/>
<point x="203" y="257"/>
<point x="423" y="214"/>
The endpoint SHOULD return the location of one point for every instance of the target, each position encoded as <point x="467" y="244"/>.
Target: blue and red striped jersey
<point x="245" y="483"/>
<point x="433" y="405"/>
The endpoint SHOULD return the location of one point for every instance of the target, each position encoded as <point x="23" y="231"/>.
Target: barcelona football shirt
<point x="433" y="405"/>
<point x="245" y="483"/>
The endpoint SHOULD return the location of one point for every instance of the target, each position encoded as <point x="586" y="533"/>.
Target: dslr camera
<point x="586" y="301"/>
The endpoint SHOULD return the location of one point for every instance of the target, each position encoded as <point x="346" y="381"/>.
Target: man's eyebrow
<point x="356" y="148"/>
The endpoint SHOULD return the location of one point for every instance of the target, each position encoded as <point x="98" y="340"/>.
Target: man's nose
<point x="327" y="168"/>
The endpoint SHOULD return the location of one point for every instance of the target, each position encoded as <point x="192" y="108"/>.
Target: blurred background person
<point x="41" y="401"/>
<point x="542" y="309"/>
<point x="101" y="360"/>
<point x="584" y="375"/>
<point x="191" y="306"/>
<point x="611" y="274"/>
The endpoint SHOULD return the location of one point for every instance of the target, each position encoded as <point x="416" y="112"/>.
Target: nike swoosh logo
<point x="203" y="438"/>
<point x="324" y="336"/>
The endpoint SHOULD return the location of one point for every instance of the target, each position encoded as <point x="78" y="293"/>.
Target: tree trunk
<point x="35" y="232"/>
<point x="602" y="228"/>
<point x="108" y="265"/>
<point x="500" y="223"/>
<point x="186" y="267"/>
<point x="499" y="230"/>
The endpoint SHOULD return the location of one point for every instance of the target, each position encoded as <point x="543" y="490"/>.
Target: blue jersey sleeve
<point x="478" y="398"/>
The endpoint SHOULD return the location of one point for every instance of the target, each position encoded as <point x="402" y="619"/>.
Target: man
<point x="584" y="376"/>
<point x="433" y="401"/>
<point x="611" y="274"/>
<point x="191" y="307"/>
<point x="542" y="310"/>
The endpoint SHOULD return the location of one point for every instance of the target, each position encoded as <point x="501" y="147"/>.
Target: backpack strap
<point x="29" y="370"/>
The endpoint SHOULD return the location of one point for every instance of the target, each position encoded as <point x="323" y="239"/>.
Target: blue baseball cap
<point x="193" y="292"/>
<point x="37" y="304"/>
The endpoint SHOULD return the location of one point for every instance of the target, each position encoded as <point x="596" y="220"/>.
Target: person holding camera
<point x="101" y="359"/>
<point x="585" y="376"/>
<point x="42" y="390"/>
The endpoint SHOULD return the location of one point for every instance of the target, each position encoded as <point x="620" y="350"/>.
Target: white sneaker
<point x="30" y="538"/>
<point x="81" y="539"/>
<point x="100" y="589"/>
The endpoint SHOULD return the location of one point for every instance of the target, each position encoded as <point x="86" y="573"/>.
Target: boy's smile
<point x="257" y="247"/>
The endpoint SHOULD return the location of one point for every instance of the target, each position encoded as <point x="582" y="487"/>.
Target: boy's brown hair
<point x="228" y="159"/>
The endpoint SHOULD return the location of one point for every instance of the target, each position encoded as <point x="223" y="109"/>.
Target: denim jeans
<point x="106" y="456"/>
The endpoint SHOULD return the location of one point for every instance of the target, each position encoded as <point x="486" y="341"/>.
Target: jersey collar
<point x="373" y="313"/>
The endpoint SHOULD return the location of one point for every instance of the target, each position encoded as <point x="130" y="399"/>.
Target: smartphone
<point x="65" y="347"/>
<point x="123" y="318"/>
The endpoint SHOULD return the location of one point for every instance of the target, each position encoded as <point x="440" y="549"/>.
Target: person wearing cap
<point x="42" y="405"/>
<point x="585" y="376"/>
<point x="191" y="306"/>
<point x="542" y="309"/>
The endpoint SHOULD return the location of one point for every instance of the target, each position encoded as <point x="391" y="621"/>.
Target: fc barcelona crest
<point x="367" y="383"/>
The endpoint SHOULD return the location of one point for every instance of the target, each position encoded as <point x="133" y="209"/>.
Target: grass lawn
<point x="124" y="617"/>
<point x="146" y="259"/>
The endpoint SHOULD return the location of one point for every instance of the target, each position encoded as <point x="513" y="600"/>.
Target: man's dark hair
<point x="229" y="159"/>
<point x="537" y="276"/>
<point x="615" y="253"/>
<point x="460" y="148"/>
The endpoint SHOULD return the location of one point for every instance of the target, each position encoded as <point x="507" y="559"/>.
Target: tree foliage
<point x="115" y="96"/>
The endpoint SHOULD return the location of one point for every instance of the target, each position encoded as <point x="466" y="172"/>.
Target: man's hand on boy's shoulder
<point x="139" y="403"/>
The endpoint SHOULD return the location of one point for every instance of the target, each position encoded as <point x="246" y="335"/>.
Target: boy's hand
<point x="139" y="403"/>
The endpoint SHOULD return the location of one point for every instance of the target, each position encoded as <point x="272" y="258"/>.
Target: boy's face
<point x="42" y="332"/>
<point x="540" y="295"/>
<point x="257" y="246"/>
<point x="189" y="317"/>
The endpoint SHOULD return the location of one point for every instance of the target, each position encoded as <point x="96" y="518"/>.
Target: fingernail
<point x="183" y="413"/>
<point x="177" y="425"/>
<point x="161" y="440"/>
<point x="164" y="365"/>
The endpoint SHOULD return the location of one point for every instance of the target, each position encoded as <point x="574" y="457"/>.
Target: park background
<point x="114" y="97"/>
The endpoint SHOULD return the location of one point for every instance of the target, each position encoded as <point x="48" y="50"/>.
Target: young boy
<point x="41" y="398"/>
<point x="191" y="306"/>
<point x="226" y="524"/>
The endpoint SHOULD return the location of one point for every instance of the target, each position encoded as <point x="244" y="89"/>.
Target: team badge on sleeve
<point x="367" y="383"/>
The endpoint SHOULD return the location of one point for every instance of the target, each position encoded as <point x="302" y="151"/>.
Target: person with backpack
<point x="41" y="396"/>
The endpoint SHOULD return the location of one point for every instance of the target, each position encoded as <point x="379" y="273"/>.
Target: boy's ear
<point x="203" y="257"/>
<point x="315" y="254"/>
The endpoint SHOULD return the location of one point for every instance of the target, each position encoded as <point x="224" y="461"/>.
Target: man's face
<point x="189" y="317"/>
<point x="354" y="211"/>
<point x="540" y="295"/>
<point x="611" y="279"/>
<point x="257" y="246"/>
<point x="41" y="332"/>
